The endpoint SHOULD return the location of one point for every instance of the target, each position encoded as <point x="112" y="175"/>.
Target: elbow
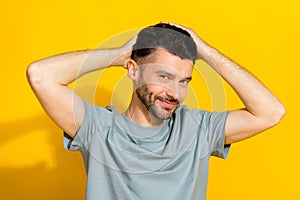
<point x="277" y="115"/>
<point x="34" y="74"/>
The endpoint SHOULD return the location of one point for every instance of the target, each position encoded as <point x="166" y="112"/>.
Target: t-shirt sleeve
<point x="90" y="126"/>
<point x="215" y="129"/>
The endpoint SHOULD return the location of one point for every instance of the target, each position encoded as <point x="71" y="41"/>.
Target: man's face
<point x="162" y="85"/>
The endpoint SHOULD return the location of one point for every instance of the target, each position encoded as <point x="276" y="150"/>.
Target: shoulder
<point x="97" y="114"/>
<point x="198" y="115"/>
<point x="186" y="115"/>
<point x="97" y="110"/>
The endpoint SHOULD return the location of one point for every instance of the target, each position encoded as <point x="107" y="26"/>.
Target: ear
<point x="133" y="70"/>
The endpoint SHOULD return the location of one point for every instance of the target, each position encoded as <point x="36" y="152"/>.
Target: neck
<point x="138" y="113"/>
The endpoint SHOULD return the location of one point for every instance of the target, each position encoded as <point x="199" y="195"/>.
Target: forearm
<point x="64" y="68"/>
<point x="257" y="99"/>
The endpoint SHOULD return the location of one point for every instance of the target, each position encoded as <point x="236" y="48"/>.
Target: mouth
<point x="169" y="105"/>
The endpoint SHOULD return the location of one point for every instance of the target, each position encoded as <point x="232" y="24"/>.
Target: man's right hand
<point x="125" y="53"/>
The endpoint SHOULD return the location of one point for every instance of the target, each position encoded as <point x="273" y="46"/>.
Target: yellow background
<point x="261" y="35"/>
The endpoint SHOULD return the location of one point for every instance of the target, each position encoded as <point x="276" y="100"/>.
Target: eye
<point x="184" y="82"/>
<point x="163" y="76"/>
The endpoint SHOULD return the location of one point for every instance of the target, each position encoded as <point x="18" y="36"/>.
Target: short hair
<point x="174" y="39"/>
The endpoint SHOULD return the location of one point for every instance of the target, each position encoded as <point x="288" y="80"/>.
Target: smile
<point x="167" y="104"/>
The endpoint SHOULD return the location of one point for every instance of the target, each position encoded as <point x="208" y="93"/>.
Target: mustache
<point x="168" y="99"/>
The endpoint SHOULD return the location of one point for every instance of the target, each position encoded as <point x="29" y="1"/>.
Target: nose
<point x="174" y="91"/>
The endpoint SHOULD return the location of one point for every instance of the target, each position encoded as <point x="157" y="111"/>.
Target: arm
<point x="262" y="109"/>
<point x="49" y="79"/>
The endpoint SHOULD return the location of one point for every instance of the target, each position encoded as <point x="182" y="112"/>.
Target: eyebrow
<point x="188" y="78"/>
<point x="165" y="72"/>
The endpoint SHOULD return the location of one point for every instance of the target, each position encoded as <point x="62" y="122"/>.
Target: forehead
<point x="168" y="62"/>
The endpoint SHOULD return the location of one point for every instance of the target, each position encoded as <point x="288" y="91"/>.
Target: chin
<point x="161" y="113"/>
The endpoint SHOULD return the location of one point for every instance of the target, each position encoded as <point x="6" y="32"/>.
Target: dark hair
<point x="175" y="40"/>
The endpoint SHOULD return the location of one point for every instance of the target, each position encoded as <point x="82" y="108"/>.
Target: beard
<point x="156" y="110"/>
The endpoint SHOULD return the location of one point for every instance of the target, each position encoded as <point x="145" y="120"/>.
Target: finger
<point x="175" y="24"/>
<point x="132" y="40"/>
<point x="129" y="44"/>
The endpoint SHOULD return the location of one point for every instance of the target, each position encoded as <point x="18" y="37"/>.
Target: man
<point x="157" y="149"/>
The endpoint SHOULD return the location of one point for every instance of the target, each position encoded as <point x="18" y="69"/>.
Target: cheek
<point x="155" y="88"/>
<point x="182" y="94"/>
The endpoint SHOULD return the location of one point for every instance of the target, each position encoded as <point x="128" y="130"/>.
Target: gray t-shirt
<point x="126" y="161"/>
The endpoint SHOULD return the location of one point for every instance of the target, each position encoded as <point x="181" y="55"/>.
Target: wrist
<point x="205" y="51"/>
<point x="119" y="57"/>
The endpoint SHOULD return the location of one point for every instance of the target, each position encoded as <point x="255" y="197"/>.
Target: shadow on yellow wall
<point x="36" y="166"/>
<point x="65" y="180"/>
